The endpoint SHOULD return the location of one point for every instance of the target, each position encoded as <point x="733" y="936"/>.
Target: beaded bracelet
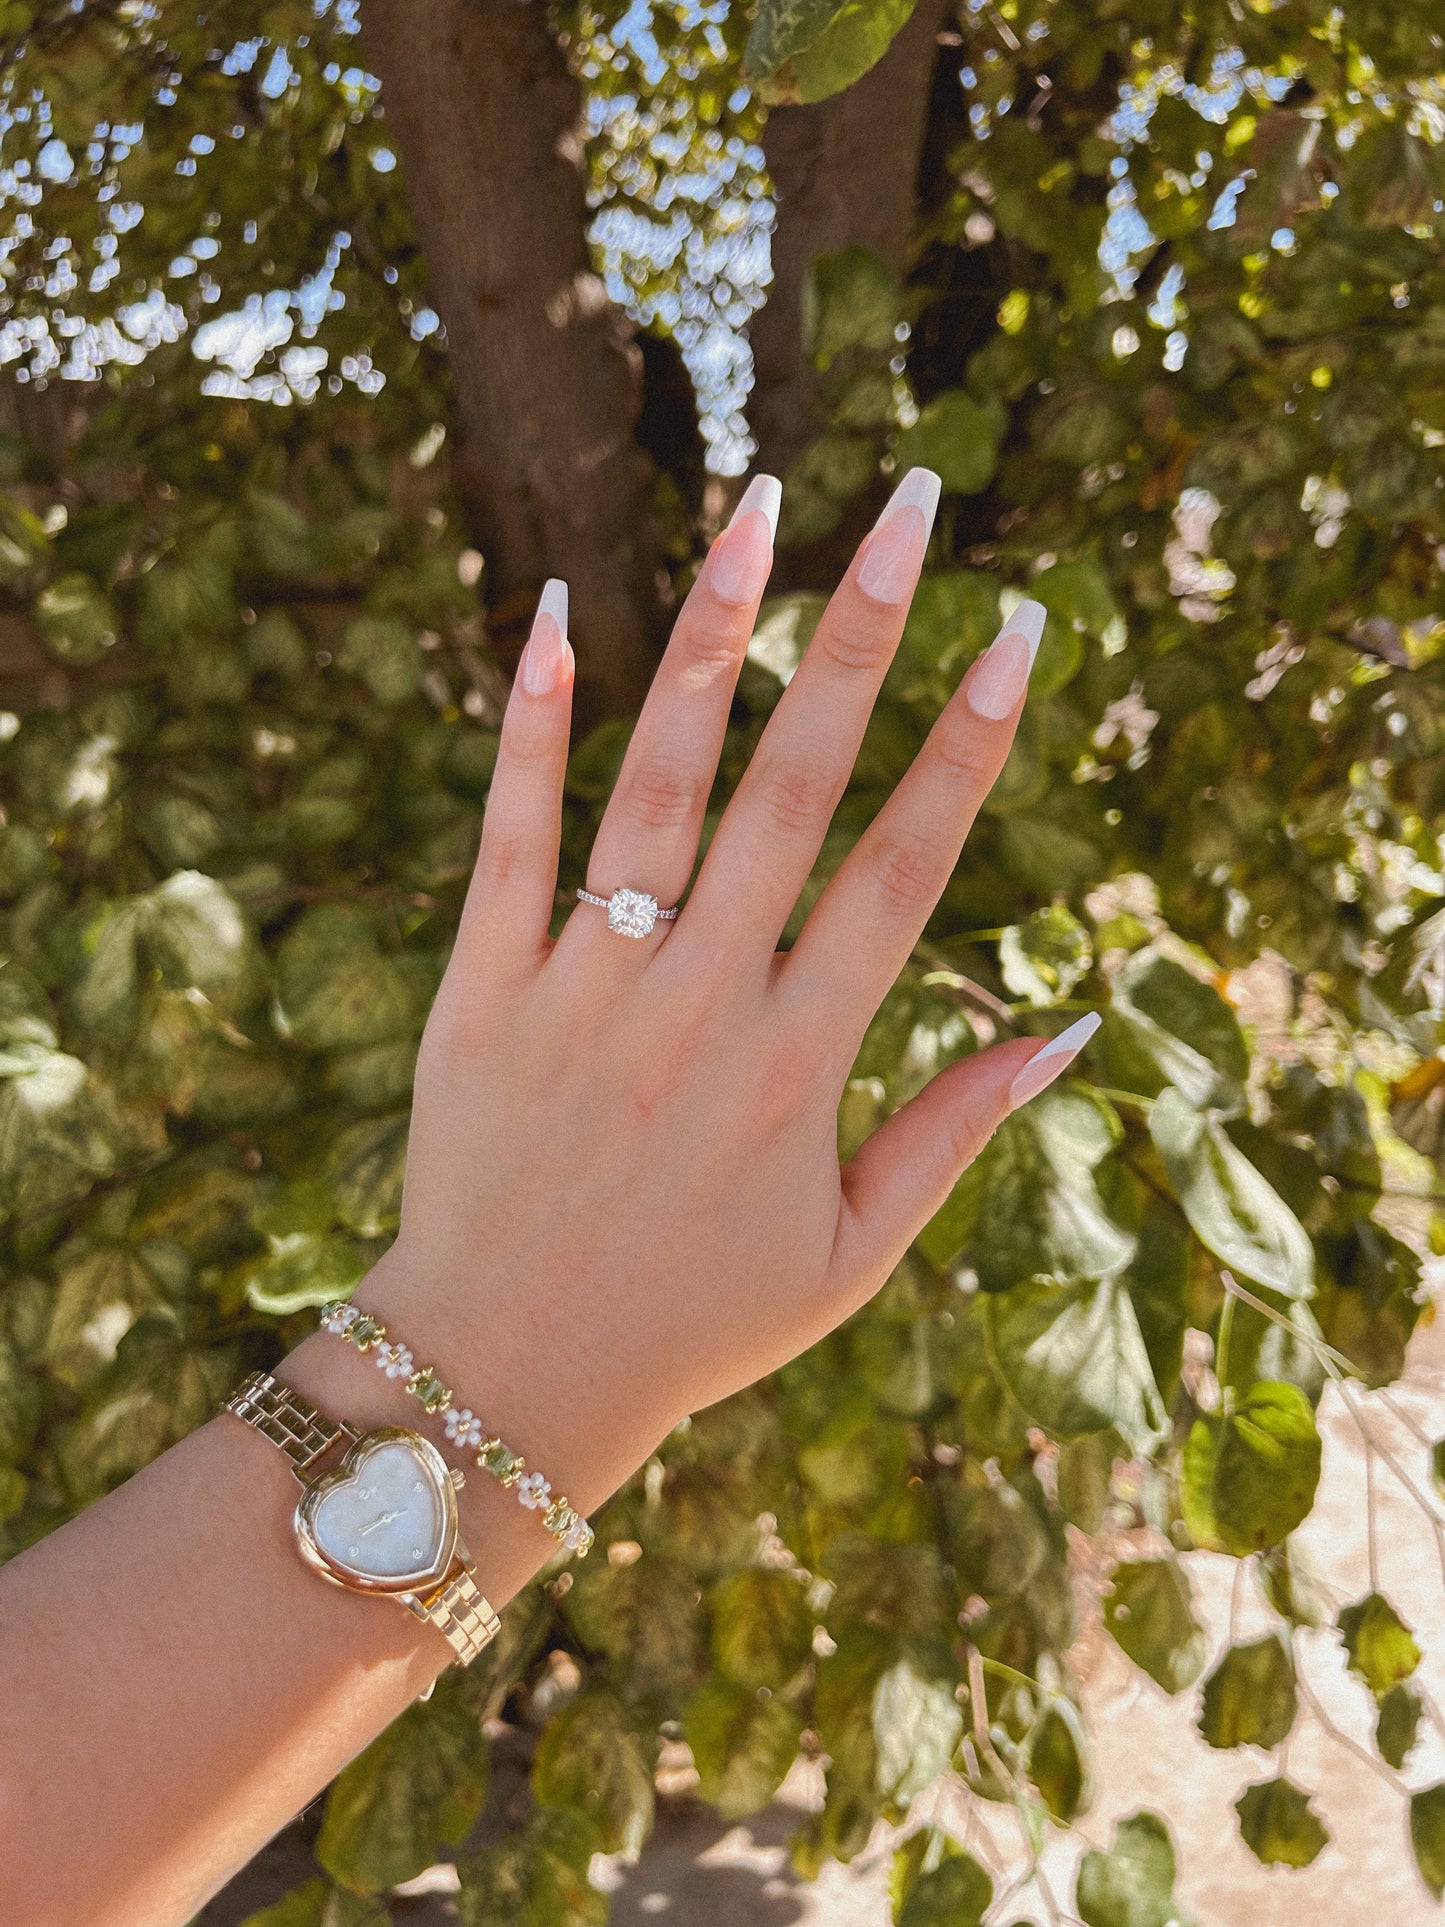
<point x="463" y="1428"/>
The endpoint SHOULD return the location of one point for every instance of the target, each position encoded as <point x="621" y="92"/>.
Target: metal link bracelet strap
<point x="463" y="1428"/>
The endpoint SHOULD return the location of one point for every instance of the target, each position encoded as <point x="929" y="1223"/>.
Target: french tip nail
<point x="1050" y="1062"/>
<point x="764" y="493"/>
<point x="919" y="489"/>
<point x="1028" y="621"/>
<point x="553" y="602"/>
<point x="1074" y="1037"/>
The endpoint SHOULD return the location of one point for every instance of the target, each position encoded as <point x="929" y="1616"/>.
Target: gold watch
<point x="384" y="1520"/>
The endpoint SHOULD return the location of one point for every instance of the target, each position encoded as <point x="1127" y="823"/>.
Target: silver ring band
<point x="631" y="913"/>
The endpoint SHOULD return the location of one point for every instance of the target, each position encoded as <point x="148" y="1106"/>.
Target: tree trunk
<point x="845" y="173"/>
<point x="546" y="376"/>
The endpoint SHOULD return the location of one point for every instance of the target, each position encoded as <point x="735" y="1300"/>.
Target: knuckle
<point x="906" y="873"/>
<point x="526" y="745"/>
<point x="961" y="756"/>
<point x="501" y="855"/>
<point x="966" y="1138"/>
<point x="662" y="794"/>
<point x="854" y="639"/>
<point x="794" y="797"/>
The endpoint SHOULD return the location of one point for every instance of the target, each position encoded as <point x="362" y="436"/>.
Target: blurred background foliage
<point x="1159" y="291"/>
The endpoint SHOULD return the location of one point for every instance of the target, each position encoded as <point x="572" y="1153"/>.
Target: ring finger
<point x="648" y="837"/>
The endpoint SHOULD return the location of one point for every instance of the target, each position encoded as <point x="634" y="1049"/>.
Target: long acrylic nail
<point x="743" y="554"/>
<point x="1055" y="1057"/>
<point x="546" y="653"/>
<point x="996" y="682"/>
<point x="894" y="551"/>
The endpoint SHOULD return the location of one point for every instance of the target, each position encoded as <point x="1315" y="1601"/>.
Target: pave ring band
<point x="631" y="913"/>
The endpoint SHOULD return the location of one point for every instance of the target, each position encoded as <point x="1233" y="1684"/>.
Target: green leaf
<point x="1427" y="1836"/>
<point x="1132" y="1885"/>
<point x="1398" y="1724"/>
<point x="316" y="1903"/>
<point x="336" y="988"/>
<point x="158" y="1389"/>
<point x="851" y="300"/>
<point x="1166" y="1027"/>
<point x="100" y="1296"/>
<point x="1041" y="1214"/>
<point x="856" y="39"/>
<point x="383" y="652"/>
<point x="1380" y="1646"/>
<point x="952" y="1891"/>
<point x="1046" y="957"/>
<point x="1150" y="1612"/>
<point x="19" y="1403"/>
<point x="1249" y="1698"/>
<point x="782" y="28"/>
<point x="917" y="1723"/>
<point x="1074" y="1358"/>
<point x="1241" y="1218"/>
<point x="77" y="619"/>
<point x="592" y="1758"/>
<point x="1278" y="1826"/>
<point x="762" y="1627"/>
<point x="365" y="1170"/>
<point x="534" y="1877"/>
<point x="417" y="1787"/>
<point x="1055" y="1761"/>
<point x="742" y="1743"/>
<point x="955" y="437"/>
<point x="1249" y="1477"/>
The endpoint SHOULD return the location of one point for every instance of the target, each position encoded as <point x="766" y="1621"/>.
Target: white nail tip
<point x="764" y="493"/>
<point x="1028" y="621"/>
<point x="919" y="489"/>
<point x="553" y="602"/>
<point x="1072" y="1039"/>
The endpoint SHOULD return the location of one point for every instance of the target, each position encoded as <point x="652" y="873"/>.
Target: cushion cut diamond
<point x="631" y="913"/>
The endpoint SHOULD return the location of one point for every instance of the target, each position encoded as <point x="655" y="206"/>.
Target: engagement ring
<point x="631" y="913"/>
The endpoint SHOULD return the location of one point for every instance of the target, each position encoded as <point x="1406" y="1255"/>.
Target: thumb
<point x="893" y="1185"/>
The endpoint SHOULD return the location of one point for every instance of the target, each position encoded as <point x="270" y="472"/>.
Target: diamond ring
<point x="631" y="913"/>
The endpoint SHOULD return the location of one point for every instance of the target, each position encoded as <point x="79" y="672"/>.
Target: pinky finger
<point x="901" y="1176"/>
<point x="514" y="883"/>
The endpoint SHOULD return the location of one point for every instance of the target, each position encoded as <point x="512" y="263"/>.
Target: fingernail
<point x="996" y="682"/>
<point x="743" y="554"/>
<point x="894" y="551"/>
<point x="1055" y="1057"/>
<point x="765" y="494"/>
<point x="546" y="654"/>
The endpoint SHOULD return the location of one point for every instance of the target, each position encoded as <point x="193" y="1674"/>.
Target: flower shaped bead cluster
<point x="461" y="1425"/>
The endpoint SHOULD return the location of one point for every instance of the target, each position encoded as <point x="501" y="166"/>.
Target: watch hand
<point x="385" y="1520"/>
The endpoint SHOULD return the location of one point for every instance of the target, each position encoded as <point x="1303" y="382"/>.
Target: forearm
<point x="175" y="1683"/>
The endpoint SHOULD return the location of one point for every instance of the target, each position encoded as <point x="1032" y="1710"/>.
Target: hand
<point x="623" y="1189"/>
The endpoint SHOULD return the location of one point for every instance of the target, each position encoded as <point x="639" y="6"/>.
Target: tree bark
<point x="546" y="375"/>
<point x="845" y="173"/>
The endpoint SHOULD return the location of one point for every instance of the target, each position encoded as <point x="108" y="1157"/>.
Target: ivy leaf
<point x="316" y="1903"/>
<point x="762" y="1627"/>
<point x="1074" y="1358"/>
<point x="1427" y="1836"/>
<point x="851" y="300"/>
<point x="1398" y="1724"/>
<point x="1249" y="1477"/>
<point x="1379" y="1645"/>
<point x="1132" y="1885"/>
<point x="933" y="1883"/>
<point x="158" y="1389"/>
<point x="955" y="437"/>
<point x="591" y="1758"/>
<point x="1041" y="1214"/>
<point x="365" y="1170"/>
<point x="1055" y="1761"/>
<point x="19" y="1403"/>
<point x="1166" y="1027"/>
<point x="917" y="1723"/>
<point x="383" y="652"/>
<point x="782" y="28"/>
<point x="1241" y="1218"/>
<point x="1045" y="957"/>
<point x="100" y="1295"/>
<point x="535" y="1877"/>
<point x="77" y="619"/>
<point x="417" y="1787"/>
<point x="1249" y="1698"/>
<point x="1278" y="1826"/>
<point x="742" y="1744"/>
<point x="335" y="987"/>
<point x="1150" y="1612"/>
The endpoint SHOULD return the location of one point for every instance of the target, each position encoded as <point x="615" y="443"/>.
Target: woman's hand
<point x="623" y="1187"/>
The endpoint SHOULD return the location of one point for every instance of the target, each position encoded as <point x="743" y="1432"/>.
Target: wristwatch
<point x="384" y="1520"/>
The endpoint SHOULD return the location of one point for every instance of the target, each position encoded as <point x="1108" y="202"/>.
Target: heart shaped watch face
<point x="386" y="1519"/>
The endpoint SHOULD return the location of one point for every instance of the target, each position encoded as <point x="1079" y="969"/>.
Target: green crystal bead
<point x="366" y="1332"/>
<point x="428" y="1388"/>
<point x="501" y="1461"/>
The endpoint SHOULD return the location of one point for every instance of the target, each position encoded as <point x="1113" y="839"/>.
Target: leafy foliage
<point x="1171" y="334"/>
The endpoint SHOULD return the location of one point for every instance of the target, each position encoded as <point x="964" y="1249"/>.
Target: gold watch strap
<point x="460" y="1614"/>
<point x="286" y="1419"/>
